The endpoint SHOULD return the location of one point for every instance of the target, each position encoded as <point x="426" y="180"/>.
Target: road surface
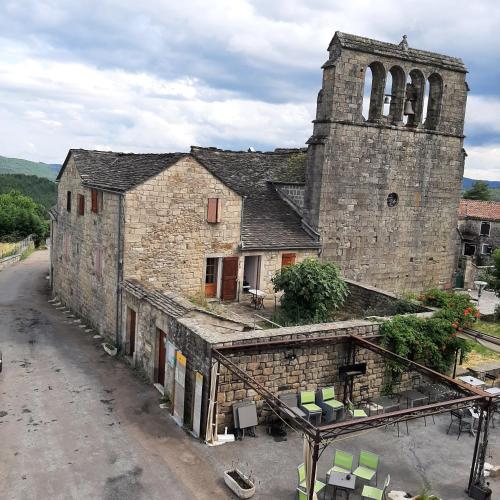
<point x="75" y="423"/>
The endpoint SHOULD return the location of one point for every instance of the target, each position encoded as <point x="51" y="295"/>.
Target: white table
<point x="493" y="390"/>
<point x="346" y="481"/>
<point x="475" y="382"/>
<point x="257" y="297"/>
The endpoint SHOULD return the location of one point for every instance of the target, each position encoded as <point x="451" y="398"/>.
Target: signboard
<point x="198" y="388"/>
<point x="179" y="387"/>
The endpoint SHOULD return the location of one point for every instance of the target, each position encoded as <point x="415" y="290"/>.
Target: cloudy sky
<point x="161" y="75"/>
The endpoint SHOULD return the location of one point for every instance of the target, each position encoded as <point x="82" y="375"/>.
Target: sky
<point x="162" y="75"/>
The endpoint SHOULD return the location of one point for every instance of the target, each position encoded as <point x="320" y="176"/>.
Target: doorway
<point x="211" y="277"/>
<point x="229" y="278"/>
<point x="251" y="272"/>
<point x="131" y="327"/>
<point x="162" y="356"/>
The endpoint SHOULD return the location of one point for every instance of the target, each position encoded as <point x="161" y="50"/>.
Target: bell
<point x="408" y="108"/>
<point x="387" y="99"/>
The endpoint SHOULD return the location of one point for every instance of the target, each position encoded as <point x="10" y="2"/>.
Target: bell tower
<point x="385" y="162"/>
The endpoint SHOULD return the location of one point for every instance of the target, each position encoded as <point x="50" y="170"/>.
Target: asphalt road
<point x="75" y="423"/>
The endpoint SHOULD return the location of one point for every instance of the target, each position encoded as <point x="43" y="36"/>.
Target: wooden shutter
<point x="81" y="204"/>
<point x="287" y="259"/>
<point x="212" y="210"/>
<point x="93" y="194"/>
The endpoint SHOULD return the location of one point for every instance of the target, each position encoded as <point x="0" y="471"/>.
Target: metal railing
<point x="18" y="247"/>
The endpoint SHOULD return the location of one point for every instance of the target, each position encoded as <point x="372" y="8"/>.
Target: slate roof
<point x="169" y="302"/>
<point x="354" y="42"/>
<point x="476" y="209"/>
<point x="268" y="222"/>
<point x="118" y="171"/>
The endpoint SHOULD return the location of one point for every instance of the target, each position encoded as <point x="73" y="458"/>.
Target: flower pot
<point x="239" y="484"/>
<point x="110" y="349"/>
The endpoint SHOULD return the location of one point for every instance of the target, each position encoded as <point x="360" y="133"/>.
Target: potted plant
<point x="425" y="494"/>
<point x="238" y="483"/>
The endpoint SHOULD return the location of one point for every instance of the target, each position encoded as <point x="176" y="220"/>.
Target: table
<point x="343" y="480"/>
<point x="475" y="382"/>
<point x="414" y="398"/>
<point x="257" y="298"/>
<point x="493" y="390"/>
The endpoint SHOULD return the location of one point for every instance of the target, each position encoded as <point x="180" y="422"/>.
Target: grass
<point x="7" y="249"/>
<point x="27" y="252"/>
<point x="489" y="328"/>
<point x="479" y="354"/>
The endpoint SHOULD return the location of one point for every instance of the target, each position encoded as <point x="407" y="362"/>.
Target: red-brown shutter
<point x="212" y="210"/>
<point x="219" y="207"/>
<point x="94" y="200"/>
<point x="81" y="204"/>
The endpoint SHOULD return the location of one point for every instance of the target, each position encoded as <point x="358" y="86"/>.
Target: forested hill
<point x="18" y="166"/>
<point x="42" y="191"/>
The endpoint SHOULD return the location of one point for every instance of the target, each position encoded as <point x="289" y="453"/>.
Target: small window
<point x="287" y="259"/>
<point x="485" y="229"/>
<point x="96" y="197"/>
<point x="68" y="201"/>
<point x="392" y="200"/>
<point x="213" y="210"/>
<point x="81" y="204"/>
<point x="486" y="249"/>
<point x="469" y="249"/>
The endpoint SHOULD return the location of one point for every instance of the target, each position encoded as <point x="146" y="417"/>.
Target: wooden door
<point x="162" y="356"/>
<point x="211" y="277"/>
<point x="229" y="278"/>
<point x="131" y="331"/>
<point x="287" y="259"/>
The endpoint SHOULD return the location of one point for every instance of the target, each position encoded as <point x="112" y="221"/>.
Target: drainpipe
<point x="119" y="272"/>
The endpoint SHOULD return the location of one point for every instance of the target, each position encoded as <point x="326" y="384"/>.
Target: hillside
<point x="467" y="183"/>
<point x="42" y="191"/>
<point x="18" y="166"/>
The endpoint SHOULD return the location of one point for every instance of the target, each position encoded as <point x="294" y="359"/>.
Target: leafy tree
<point x="42" y="191"/>
<point x="478" y="191"/>
<point x="20" y="216"/>
<point x="313" y="290"/>
<point x="494" y="277"/>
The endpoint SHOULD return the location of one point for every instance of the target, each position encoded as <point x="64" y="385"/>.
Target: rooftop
<point x="476" y="209"/>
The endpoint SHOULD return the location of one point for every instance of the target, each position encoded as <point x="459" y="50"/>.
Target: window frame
<point x="471" y="245"/>
<point x="68" y="201"/>
<point x="481" y="228"/>
<point x="486" y="245"/>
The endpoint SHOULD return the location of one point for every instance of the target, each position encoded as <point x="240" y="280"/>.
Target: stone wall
<point x="355" y="163"/>
<point x="471" y="229"/>
<point x="292" y="192"/>
<point x="75" y="241"/>
<point x="167" y="236"/>
<point x="193" y="346"/>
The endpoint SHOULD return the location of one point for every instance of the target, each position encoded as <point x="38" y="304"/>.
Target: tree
<point x="494" y="276"/>
<point x="20" y="216"/>
<point x="312" y="290"/>
<point x="478" y="191"/>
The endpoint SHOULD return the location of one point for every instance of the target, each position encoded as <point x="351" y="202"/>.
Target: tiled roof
<point x="169" y="302"/>
<point x="354" y="42"/>
<point x="118" y="171"/>
<point x="476" y="209"/>
<point x="268" y="222"/>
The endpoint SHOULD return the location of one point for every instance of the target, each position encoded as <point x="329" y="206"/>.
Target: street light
<point x="480" y="285"/>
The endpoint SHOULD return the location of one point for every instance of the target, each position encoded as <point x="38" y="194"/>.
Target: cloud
<point x="483" y="162"/>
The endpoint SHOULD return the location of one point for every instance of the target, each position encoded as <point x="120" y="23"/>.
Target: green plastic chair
<point x="355" y="412"/>
<point x="308" y="405"/>
<point x="368" y="465"/>
<point x="342" y="462"/>
<point x="375" y="493"/>
<point x="318" y="485"/>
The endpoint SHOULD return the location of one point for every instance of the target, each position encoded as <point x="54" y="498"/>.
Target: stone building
<point x="479" y="229"/>
<point x="382" y="190"/>
<point x="210" y="223"/>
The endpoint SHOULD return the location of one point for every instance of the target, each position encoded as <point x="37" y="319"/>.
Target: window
<point x="68" y="201"/>
<point x="96" y="197"/>
<point x="486" y="249"/>
<point x="469" y="249"/>
<point x="287" y="259"/>
<point x="392" y="200"/>
<point x="373" y="94"/>
<point x="485" y="229"/>
<point x="81" y="204"/>
<point x="213" y="210"/>
<point x="211" y="277"/>
<point x="434" y="99"/>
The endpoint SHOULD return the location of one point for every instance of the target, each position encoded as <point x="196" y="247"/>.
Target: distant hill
<point x="18" y="166"/>
<point x="467" y="183"/>
<point x="42" y="191"/>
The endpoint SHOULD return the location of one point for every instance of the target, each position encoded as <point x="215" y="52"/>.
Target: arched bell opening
<point x="414" y="98"/>
<point x="373" y="95"/>
<point x="434" y="100"/>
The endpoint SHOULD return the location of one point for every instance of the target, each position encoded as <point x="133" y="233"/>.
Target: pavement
<point x="487" y="302"/>
<point x="75" y="423"/>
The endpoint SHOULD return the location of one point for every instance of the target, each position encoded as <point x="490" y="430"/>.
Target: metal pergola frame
<point x="324" y="435"/>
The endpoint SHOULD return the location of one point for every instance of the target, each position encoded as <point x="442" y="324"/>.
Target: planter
<point x="110" y="349"/>
<point x="239" y="484"/>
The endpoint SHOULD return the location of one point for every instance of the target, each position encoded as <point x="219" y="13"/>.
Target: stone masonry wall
<point x="472" y="228"/>
<point x="196" y="350"/>
<point x="293" y="192"/>
<point x="354" y="164"/>
<point x="167" y="238"/>
<point x="75" y="241"/>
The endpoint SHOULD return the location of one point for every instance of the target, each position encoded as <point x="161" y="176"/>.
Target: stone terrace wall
<point x="312" y="367"/>
<point x="364" y="300"/>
